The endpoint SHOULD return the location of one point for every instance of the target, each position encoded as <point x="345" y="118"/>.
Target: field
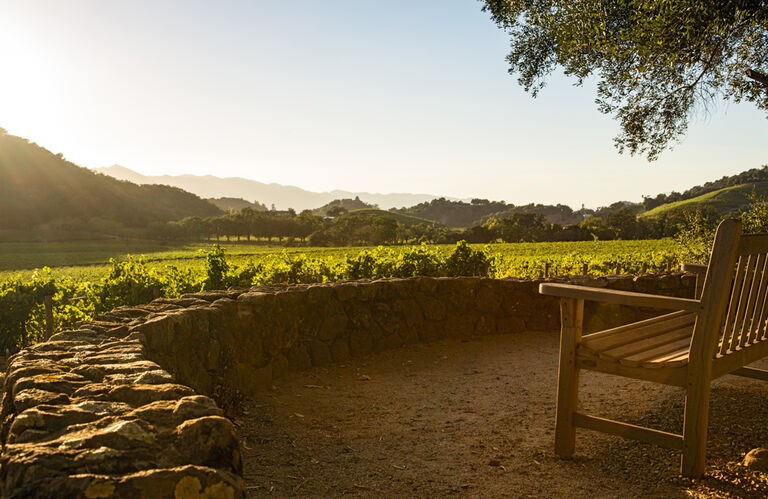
<point x="83" y="278"/>
<point x="89" y="260"/>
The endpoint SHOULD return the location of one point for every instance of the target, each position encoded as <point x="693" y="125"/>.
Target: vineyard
<point x="95" y="284"/>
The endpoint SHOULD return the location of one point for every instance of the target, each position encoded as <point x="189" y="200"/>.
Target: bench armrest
<point x="620" y="297"/>
<point x="695" y="268"/>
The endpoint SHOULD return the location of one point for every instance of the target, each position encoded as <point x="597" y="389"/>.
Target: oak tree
<point x="656" y="62"/>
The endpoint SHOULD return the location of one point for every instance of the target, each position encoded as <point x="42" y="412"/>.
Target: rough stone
<point x="320" y="353"/>
<point x="31" y="397"/>
<point x="488" y="300"/>
<point x="298" y="357"/>
<point x="104" y="411"/>
<point x="434" y="309"/>
<point x="340" y="351"/>
<point x="757" y="459"/>
<point x="211" y="439"/>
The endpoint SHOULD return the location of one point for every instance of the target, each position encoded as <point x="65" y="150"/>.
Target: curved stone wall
<point x="121" y="407"/>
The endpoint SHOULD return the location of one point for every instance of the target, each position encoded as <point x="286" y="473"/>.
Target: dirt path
<point x="476" y="419"/>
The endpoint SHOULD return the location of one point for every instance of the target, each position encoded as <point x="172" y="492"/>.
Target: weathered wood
<point x="751" y="372"/>
<point x="715" y="298"/>
<point x="671" y="361"/>
<point x="626" y="430"/>
<point x="762" y="315"/>
<point x="733" y="306"/>
<point x="718" y="333"/>
<point x="659" y="352"/>
<point x="666" y="375"/>
<point x="744" y="299"/>
<point x="756" y="326"/>
<point x="571" y="316"/>
<point x="695" y="419"/>
<point x="620" y="297"/>
<point x="646" y="346"/>
<point x="726" y="364"/>
<point x="751" y="244"/>
<point x="622" y="335"/>
<point x="749" y="311"/>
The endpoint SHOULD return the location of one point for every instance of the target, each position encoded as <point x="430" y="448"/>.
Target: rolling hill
<point x="39" y="189"/>
<point x="406" y="220"/>
<point x="723" y="200"/>
<point x="236" y="204"/>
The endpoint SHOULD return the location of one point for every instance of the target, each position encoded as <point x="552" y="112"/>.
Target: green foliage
<point x="755" y="218"/>
<point x="655" y="61"/>
<point x="176" y="281"/>
<point x="216" y="268"/>
<point x="18" y="301"/>
<point x="129" y="282"/>
<point x="696" y="235"/>
<point x="134" y="280"/>
<point x="568" y="258"/>
<point x="298" y="269"/>
<point x="696" y="232"/>
<point x="465" y="261"/>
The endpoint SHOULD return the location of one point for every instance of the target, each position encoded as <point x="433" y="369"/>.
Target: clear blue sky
<point x="396" y="96"/>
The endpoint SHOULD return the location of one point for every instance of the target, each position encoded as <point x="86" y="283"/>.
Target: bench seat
<point x="653" y="343"/>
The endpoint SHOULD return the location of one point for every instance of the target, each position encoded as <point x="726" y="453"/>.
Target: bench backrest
<point x="735" y="294"/>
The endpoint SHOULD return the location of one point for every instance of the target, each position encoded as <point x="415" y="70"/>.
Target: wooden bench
<point x="719" y="332"/>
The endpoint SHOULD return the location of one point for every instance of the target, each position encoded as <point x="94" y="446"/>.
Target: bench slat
<point x="750" y="244"/>
<point x="761" y="309"/>
<point x="744" y="297"/>
<point x="645" y="344"/>
<point x="654" y="353"/>
<point x="626" y="430"/>
<point x="756" y="328"/>
<point x="675" y="359"/>
<point x="621" y="335"/>
<point x="730" y="318"/>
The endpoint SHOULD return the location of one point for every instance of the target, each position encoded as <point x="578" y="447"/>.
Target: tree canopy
<point x="656" y="62"/>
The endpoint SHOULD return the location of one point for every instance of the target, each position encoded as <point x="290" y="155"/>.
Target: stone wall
<point x="107" y="410"/>
<point x="241" y="340"/>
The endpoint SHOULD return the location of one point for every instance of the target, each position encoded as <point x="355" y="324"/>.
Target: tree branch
<point x="757" y="76"/>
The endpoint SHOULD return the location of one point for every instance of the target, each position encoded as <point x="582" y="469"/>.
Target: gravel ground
<point x="476" y="419"/>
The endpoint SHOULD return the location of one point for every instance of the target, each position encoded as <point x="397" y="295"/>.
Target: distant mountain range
<point x="282" y="196"/>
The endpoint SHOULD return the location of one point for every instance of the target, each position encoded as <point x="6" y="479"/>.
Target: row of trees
<point x="247" y="223"/>
<point x="291" y="228"/>
<point x="620" y="224"/>
<point x="351" y="229"/>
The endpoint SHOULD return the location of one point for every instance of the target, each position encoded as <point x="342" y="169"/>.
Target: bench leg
<point x="571" y="312"/>
<point x="694" y="459"/>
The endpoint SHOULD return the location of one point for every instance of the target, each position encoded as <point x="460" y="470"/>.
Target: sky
<point x="396" y="96"/>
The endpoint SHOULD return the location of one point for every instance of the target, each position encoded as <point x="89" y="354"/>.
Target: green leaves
<point x="655" y="62"/>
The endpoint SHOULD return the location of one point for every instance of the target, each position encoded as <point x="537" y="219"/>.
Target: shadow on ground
<point x="476" y="418"/>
